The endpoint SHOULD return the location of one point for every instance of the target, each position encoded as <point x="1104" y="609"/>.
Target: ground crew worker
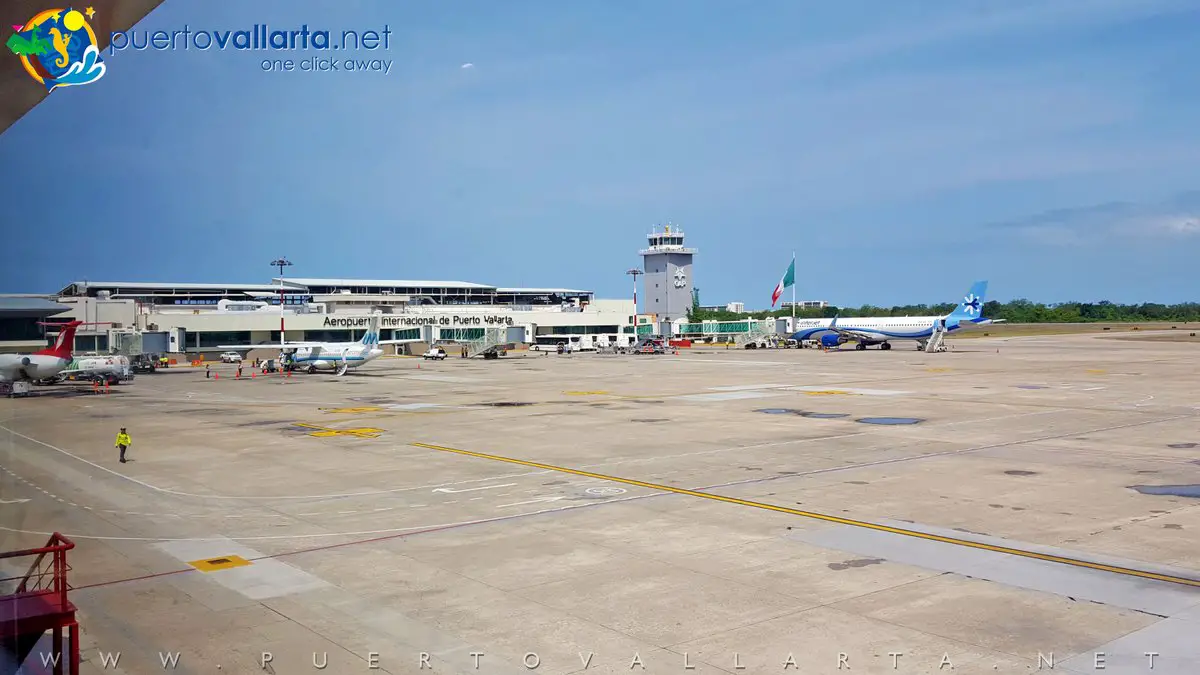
<point x="123" y="441"/>
<point x="207" y="372"/>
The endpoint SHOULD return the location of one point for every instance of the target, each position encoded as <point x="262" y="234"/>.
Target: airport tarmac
<point x="728" y="510"/>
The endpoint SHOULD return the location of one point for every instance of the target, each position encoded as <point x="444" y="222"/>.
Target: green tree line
<point x="1017" y="311"/>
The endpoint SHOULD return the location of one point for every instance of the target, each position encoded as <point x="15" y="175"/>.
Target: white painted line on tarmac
<point x="590" y="503"/>
<point x="630" y="460"/>
<point x="532" y="501"/>
<point x="485" y="487"/>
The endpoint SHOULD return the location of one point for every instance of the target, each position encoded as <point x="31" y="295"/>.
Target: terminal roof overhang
<point x="301" y="285"/>
<point x="424" y="285"/>
<point x="76" y="288"/>
<point x="378" y="283"/>
<point x="22" y="93"/>
<point x="20" y="307"/>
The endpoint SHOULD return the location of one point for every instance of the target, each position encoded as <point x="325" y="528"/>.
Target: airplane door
<point x="943" y="323"/>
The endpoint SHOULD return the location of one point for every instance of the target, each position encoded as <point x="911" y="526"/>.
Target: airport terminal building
<point x="200" y="317"/>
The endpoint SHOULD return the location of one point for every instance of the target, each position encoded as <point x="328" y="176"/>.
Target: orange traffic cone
<point x="216" y="376"/>
<point x="253" y="374"/>
<point x="107" y="388"/>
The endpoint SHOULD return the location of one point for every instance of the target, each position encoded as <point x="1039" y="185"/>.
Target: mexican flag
<point x="789" y="278"/>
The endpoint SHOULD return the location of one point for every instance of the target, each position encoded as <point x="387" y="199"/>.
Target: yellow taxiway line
<point x="831" y="519"/>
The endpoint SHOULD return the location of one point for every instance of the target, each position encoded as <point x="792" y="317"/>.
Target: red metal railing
<point x="39" y="603"/>
<point x="48" y="571"/>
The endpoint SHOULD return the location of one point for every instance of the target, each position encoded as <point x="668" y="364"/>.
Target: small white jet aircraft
<point x="44" y="364"/>
<point x="336" y="356"/>
<point x="881" y="331"/>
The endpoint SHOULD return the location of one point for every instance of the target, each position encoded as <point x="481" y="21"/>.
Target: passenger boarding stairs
<point x="937" y="340"/>
<point x="758" y="330"/>
<point x="34" y="604"/>
<point x="493" y="341"/>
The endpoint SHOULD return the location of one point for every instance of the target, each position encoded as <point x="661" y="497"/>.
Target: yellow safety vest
<point x="123" y="439"/>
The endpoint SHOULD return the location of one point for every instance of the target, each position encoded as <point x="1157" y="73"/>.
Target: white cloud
<point x="467" y="66"/>
<point x="1162" y="222"/>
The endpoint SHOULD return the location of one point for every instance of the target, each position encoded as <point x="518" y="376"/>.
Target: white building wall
<point x="261" y="323"/>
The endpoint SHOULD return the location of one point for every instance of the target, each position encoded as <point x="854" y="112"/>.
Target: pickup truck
<point x="231" y="357"/>
<point x="435" y="353"/>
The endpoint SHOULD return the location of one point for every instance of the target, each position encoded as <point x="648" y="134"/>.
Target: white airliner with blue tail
<point x="866" y="331"/>
<point x="335" y="356"/>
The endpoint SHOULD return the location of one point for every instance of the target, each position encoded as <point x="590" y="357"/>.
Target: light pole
<point x="634" y="272"/>
<point x="281" y="263"/>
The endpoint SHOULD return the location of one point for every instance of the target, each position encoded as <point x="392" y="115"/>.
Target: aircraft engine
<point x="831" y="340"/>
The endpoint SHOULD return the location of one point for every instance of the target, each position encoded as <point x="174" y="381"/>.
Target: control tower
<point x="668" y="274"/>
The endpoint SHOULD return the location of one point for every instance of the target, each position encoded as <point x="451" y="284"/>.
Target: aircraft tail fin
<point x="971" y="306"/>
<point x="65" y="341"/>
<point x="371" y="337"/>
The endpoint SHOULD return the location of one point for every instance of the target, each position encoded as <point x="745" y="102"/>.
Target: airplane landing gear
<point x="885" y="346"/>
<point x="860" y="346"/>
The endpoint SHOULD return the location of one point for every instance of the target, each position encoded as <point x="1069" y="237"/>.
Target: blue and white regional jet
<point x="866" y="331"/>
<point x="336" y="356"/>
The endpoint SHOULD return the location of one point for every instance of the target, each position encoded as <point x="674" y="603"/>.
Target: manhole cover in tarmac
<point x="506" y="404"/>
<point x="1181" y="446"/>
<point x="889" y="420"/>
<point x="779" y="411"/>
<point x="605" y="491"/>
<point x="1030" y="386"/>
<point x="1020" y="472"/>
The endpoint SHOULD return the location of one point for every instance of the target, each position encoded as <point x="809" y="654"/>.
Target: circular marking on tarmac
<point x="605" y="491"/>
<point x="889" y="420"/>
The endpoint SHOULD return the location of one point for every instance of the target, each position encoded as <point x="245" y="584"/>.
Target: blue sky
<point x="902" y="149"/>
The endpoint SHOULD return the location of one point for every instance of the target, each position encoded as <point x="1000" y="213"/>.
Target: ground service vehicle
<point x="109" y="369"/>
<point x="231" y="357"/>
<point x="143" y="363"/>
<point x="435" y="353"/>
<point x="650" y="346"/>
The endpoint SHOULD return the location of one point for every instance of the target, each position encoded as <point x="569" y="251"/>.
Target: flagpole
<point x="793" y="292"/>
